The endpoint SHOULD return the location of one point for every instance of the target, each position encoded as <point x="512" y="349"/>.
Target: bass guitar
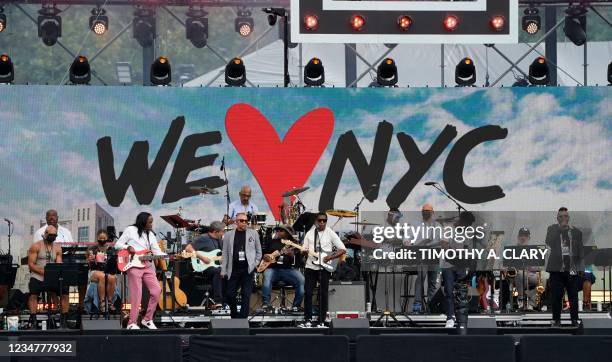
<point x="214" y="256"/>
<point x="317" y="257"/>
<point x="126" y="261"/>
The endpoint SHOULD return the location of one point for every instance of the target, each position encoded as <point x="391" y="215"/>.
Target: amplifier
<point x="347" y="296"/>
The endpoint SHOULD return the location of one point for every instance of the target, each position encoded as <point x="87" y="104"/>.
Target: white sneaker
<point x="305" y="325"/>
<point x="148" y="324"/>
<point x="133" y="326"/>
<point x="450" y="323"/>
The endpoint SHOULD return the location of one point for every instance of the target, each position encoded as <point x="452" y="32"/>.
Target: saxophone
<point x="539" y="291"/>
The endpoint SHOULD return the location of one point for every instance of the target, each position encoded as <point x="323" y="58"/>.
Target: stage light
<point x="451" y="22"/>
<point x="49" y="24"/>
<point x="610" y="73"/>
<point x="2" y="20"/>
<point x="196" y="27"/>
<point x="98" y="21"/>
<point x="538" y="72"/>
<point x="80" y="73"/>
<point x="161" y="72"/>
<point x="465" y="73"/>
<point x="575" y="24"/>
<point x="498" y="22"/>
<point x="357" y="22"/>
<point x="144" y="26"/>
<point x="314" y="73"/>
<point x="235" y="73"/>
<point x="7" y="72"/>
<point x="531" y="20"/>
<point x="404" y="22"/>
<point x="386" y="73"/>
<point x="311" y="22"/>
<point x="244" y="23"/>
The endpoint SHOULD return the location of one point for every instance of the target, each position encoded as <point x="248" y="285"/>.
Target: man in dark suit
<point x="565" y="265"/>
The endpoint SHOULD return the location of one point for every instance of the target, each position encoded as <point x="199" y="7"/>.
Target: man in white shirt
<point x="63" y="234"/>
<point x="242" y="205"/>
<point x="317" y="239"/>
<point x="430" y="238"/>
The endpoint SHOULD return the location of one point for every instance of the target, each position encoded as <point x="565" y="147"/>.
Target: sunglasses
<point x="241" y="220"/>
<point x="321" y="220"/>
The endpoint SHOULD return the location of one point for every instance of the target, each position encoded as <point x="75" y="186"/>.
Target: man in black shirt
<point x="241" y="255"/>
<point x="285" y="267"/>
<point x="210" y="241"/>
<point x="565" y="265"/>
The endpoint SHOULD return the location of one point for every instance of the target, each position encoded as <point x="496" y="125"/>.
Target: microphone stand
<point x="10" y="232"/>
<point x="227" y="194"/>
<point x="459" y="206"/>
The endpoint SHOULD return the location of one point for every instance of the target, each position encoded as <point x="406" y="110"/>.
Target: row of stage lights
<point x="314" y="73"/>
<point x="50" y="23"/>
<point x="196" y="24"/>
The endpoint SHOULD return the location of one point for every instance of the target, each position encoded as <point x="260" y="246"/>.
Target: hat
<point x="427" y="207"/>
<point x="288" y="229"/>
<point x="524" y="231"/>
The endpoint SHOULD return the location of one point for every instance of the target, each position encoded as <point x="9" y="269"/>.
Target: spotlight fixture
<point x="144" y="26"/>
<point x="196" y="27"/>
<point x="386" y="73"/>
<point x="404" y="22"/>
<point x="98" y="21"/>
<point x="80" y="72"/>
<point x="357" y="22"/>
<point x="531" y="20"/>
<point x="497" y="23"/>
<point x="244" y="23"/>
<point x="49" y="24"/>
<point x="450" y="22"/>
<point x="311" y="22"/>
<point x="520" y="82"/>
<point x="538" y="72"/>
<point x="235" y="73"/>
<point x="161" y="72"/>
<point x="575" y="24"/>
<point x="314" y="73"/>
<point x="465" y="73"/>
<point x="7" y="72"/>
<point x="2" y="20"/>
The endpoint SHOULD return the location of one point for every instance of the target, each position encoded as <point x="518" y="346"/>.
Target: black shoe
<point x="555" y="324"/>
<point x="576" y="323"/>
<point x="267" y="308"/>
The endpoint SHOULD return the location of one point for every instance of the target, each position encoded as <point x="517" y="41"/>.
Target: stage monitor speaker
<point x="229" y="327"/>
<point x="482" y="325"/>
<point x="100" y="324"/>
<point x="597" y="326"/>
<point x="351" y="327"/>
<point x="347" y="296"/>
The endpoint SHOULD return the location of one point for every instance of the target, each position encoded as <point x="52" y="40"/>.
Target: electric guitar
<point x="126" y="261"/>
<point x="317" y="258"/>
<point x="214" y="256"/>
<point x="263" y="265"/>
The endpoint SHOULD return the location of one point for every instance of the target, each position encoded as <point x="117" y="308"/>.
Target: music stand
<point x="304" y="222"/>
<point x="523" y="264"/>
<point x="603" y="258"/>
<point x="59" y="275"/>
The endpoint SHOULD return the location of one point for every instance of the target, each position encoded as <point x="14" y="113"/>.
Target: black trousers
<point x="559" y="282"/>
<point x="311" y="278"/>
<point x="217" y="283"/>
<point x="244" y="280"/>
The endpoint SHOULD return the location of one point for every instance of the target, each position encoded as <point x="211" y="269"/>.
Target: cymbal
<point x="447" y="219"/>
<point x="364" y="223"/>
<point x="341" y="213"/>
<point x="362" y="242"/>
<point x="295" y="191"/>
<point x="205" y="190"/>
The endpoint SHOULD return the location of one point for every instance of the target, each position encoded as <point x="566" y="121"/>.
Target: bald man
<point x="63" y="234"/>
<point x="243" y="204"/>
<point x="41" y="253"/>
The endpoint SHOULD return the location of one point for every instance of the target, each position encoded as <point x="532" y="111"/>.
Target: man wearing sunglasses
<point x="319" y="238"/>
<point x="565" y="265"/>
<point x="241" y="255"/>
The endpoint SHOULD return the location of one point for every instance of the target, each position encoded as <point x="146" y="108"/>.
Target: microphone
<point x="222" y="164"/>
<point x="430" y="183"/>
<point x="8" y="221"/>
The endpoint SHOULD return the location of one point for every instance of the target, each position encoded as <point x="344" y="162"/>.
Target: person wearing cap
<point x="284" y="269"/>
<point x="531" y="274"/>
<point x="425" y="273"/>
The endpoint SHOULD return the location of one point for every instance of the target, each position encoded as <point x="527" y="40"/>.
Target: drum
<point x="259" y="218"/>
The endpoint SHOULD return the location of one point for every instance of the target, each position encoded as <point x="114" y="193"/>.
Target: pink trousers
<point x="136" y="277"/>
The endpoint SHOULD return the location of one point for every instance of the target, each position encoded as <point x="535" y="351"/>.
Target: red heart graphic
<point x="279" y="165"/>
